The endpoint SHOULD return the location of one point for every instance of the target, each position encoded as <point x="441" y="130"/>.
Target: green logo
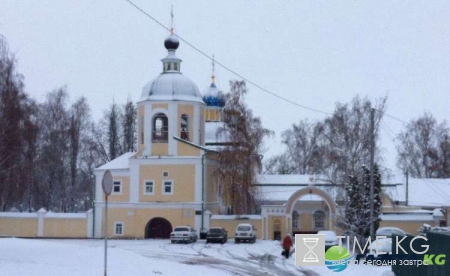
<point x="337" y="258"/>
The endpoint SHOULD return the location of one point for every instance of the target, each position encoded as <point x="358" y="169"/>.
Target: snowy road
<point x="154" y="257"/>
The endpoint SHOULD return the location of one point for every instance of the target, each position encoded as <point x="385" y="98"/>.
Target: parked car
<point x="390" y="231"/>
<point x="245" y="232"/>
<point x="330" y="238"/>
<point x="217" y="234"/>
<point x="380" y="245"/>
<point x="183" y="234"/>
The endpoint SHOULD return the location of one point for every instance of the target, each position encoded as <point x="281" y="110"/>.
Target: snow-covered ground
<point x="33" y="257"/>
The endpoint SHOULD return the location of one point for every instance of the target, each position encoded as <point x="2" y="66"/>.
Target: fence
<point x="45" y="224"/>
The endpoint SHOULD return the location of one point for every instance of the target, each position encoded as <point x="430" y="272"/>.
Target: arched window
<point x="184" y="126"/>
<point x="319" y="220"/>
<point x="160" y="128"/>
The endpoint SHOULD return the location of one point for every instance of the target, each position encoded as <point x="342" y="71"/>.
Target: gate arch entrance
<point x="330" y="204"/>
<point x="158" y="228"/>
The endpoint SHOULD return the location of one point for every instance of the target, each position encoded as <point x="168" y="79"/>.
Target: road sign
<point x="107" y="183"/>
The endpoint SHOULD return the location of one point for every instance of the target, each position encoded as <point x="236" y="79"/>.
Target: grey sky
<point x="315" y="53"/>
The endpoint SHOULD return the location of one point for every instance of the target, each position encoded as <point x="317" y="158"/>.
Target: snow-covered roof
<point x="121" y="162"/>
<point x="421" y="192"/>
<point x="425" y="192"/>
<point x="277" y="187"/>
<point x="211" y="133"/>
<point x="171" y="87"/>
<point x="232" y="217"/>
<point x="283" y="193"/>
<point x="282" y="179"/>
<point x="407" y="217"/>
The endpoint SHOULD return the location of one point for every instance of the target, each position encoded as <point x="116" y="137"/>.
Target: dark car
<point x="217" y="234"/>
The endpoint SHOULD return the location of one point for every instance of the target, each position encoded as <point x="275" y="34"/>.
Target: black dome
<point x="172" y="42"/>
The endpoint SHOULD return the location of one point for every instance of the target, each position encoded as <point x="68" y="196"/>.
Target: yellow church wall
<point x="160" y="149"/>
<point x="183" y="177"/>
<point x="141" y="128"/>
<point x="160" y="105"/>
<point x="187" y="150"/>
<point x="212" y="114"/>
<point x="19" y="227"/>
<point x="124" y="196"/>
<point x="135" y="220"/>
<point x="306" y="222"/>
<point x="65" y="228"/>
<point x="212" y="183"/>
<point x="231" y="224"/>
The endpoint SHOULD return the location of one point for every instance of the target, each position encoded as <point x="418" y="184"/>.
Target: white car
<point x="380" y="245"/>
<point x="245" y="232"/>
<point x="330" y="238"/>
<point x="183" y="234"/>
<point x="390" y="231"/>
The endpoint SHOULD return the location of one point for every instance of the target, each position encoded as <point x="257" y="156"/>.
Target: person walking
<point x="287" y="244"/>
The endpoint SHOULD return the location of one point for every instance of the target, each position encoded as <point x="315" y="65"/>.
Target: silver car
<point x="183" y="234"/>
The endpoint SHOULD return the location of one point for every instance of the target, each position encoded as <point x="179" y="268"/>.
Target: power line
<point x="226" y="67"/>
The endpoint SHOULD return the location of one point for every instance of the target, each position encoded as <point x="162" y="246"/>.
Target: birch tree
<point x="241" y="159"/>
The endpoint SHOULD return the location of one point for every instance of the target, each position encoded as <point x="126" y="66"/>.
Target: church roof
<point x="120" y="163"/>
<point x="172" y="86"/>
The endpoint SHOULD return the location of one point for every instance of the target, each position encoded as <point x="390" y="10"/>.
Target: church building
<point x="170" y="180"/>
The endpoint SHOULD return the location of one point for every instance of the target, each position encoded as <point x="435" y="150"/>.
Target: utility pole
<point x="372" y="157"/>
<point x="407" y="180"/>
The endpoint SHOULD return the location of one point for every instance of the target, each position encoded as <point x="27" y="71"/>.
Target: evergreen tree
<point x="356" y="221"/>
<point x="113" y="121"/>
<point x="129" y="127"/>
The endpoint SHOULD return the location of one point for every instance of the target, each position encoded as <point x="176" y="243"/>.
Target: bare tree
<point x="15" y="121"/>
<point x="424" y="148"/>
<point x="347" y="136"/>
<point x="79" y="121"/>
<point x="279" y="164"/>
<point x="333" y="147"/>
<point x="54" y="157"/>
<point x="241" y="159"/>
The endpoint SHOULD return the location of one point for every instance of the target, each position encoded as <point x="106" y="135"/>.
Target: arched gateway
<point x="158" y="228"/>
<point x="290" y="212"/>
<point x="287" y="213"/>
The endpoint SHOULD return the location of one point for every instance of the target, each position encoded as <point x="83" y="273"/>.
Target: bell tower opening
<point x="160" y="133"/>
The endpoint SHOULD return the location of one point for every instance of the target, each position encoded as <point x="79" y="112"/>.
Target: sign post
<point x="107" y="185"/>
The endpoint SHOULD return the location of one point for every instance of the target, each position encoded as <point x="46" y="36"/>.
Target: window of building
<point x="295" y="220"/>
<point x="319" y="220"/>
<point x="149" y="187"/>
<point x="165" y="174"/>
<point x="117" y="187"/>
<point x="175" y="66"/>
<point x="118" y="228"/>
<point x="160" y="133"/>
<point x="167" y="187"/>
<point x="184" y="127"/>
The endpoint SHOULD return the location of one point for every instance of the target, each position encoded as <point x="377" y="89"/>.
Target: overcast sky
<point x="315" y="53"/>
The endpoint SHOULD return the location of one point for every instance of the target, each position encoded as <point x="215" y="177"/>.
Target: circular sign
<point x="107" y="183"/>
